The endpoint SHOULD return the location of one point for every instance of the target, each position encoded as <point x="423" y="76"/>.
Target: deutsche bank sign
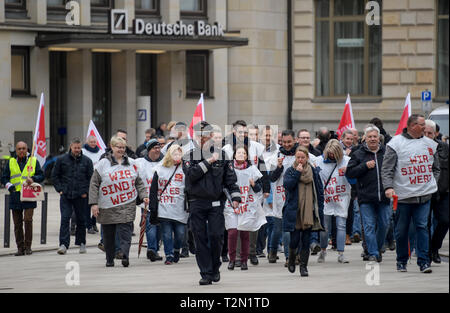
<point x="119" y="25"/>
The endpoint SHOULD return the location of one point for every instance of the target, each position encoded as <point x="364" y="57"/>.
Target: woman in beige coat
<point x="113" y="191"/>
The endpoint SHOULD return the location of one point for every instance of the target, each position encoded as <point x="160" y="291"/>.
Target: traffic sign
<point x="426" y="96"/>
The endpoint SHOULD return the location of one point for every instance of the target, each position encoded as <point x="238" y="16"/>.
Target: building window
<point x="56" y="3"/>
<point x="197" y="73"/>
<point x="348" y="50"/>
<point x="15" y="4"/>
<point x="20" y="71"/>
<point x="442" y="49"/>
<point x="193" y="8"/>
<point x="102" y="5"/>
<point x="146" y="7"/>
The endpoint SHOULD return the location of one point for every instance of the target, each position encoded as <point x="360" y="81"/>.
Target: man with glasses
<point x="304" y="139"/>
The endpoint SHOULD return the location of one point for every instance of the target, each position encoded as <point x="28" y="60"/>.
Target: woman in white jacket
<point x="337" y="195"/>
<point x="167" y="195"/>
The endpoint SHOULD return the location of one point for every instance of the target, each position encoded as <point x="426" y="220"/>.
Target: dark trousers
<point x="440" y="211"/>
<point x="67" y="207"/>
<point x="123" y="232"/>
<point x="350" y="213"/>
<point x="300" y="239"/>
<point x="261" y="239"/>
<point x="20" y="218"/>
<point x="207" y="225"/>
<point x="225" y="243"/>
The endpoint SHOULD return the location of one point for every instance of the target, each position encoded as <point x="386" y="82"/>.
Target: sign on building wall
<point x="119" y="25"/>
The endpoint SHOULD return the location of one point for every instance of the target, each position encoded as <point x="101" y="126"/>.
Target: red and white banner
<point x="199" y="115"/>
<point x="31" y="193"/>
<point x="92" y="131"/>
<point x="406" y="114"/>
<point x="40" y="146"/>
<point x="347" y="120"/>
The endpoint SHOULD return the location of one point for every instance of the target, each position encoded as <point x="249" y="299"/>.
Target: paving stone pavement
<point x="46" y="271"/>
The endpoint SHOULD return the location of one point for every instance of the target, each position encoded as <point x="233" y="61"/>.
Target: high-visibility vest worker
<point x="17" y="177"/>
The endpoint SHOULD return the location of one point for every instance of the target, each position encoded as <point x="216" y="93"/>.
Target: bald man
<point x="22" y="170"/>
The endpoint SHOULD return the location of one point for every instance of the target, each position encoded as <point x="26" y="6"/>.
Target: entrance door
<point x="101" y="94"/>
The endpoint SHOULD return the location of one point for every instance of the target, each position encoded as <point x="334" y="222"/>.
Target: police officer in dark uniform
<point x="208" y="172"/>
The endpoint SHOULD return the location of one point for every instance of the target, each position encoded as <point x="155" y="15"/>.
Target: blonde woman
<point x="167" y="197"/>
<point x="332" y="167"/>
<point x="113" y="190"/>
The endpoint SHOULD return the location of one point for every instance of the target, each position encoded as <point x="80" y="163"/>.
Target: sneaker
<point x="83" y="249"/>
<point x="322" y="256"/>
<point x="342" y="259"/>
<point x="425" y="268"/>
<point x="62" y="250"/>
<point x="101" y="246"/>
<point x="176" y="256"/>
<point x="401" y="267"/>
<point x="169" y="261"/>
<point x="125" y="262"/>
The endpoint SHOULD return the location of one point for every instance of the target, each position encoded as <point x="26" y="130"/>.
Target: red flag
<point x="40" y="146"/>
<point x="406" y="114"/>
<point x="199" y="115"/>
<point x="347" y="120"/>
<point x="92" y="131"/>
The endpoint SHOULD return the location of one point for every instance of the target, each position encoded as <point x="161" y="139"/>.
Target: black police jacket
<point x="206" y="181"/>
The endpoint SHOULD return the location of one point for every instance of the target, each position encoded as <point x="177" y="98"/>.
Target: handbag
<point x="154" y="210"/>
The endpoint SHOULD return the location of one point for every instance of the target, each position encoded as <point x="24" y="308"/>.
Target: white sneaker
<point x="322" y="256"/>
<point x="342" y="259"/>
<point x="83" y="249"/>
<point x="62" y="250"/>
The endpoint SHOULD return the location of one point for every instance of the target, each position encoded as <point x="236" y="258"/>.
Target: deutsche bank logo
<point x="119" y="21"/>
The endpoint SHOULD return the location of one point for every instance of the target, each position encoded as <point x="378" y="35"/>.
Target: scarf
<point x="93" y="150"/>
<point x="305" y="212"/>
<point x="241" y="166"/>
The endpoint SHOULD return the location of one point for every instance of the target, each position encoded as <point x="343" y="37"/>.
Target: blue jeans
<point x="314" y="238"/>
<point x="341" y="232"/>
<point x="376" y="217"/>
<point x="356" y="218"/>
<point x="172" y="235"/>
<point x="152" y="234"/>
<point x="419" y="214"/>
<point x="273" y="233"/>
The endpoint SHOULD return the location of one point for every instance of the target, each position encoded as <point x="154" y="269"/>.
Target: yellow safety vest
<point x="17" y="177"/>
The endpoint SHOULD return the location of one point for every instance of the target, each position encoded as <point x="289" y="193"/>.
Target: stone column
<point x="79" y="92"/>
<point x="85" y="12"/>
<point x="37" y="11"/>
<point x="170" y="11"/>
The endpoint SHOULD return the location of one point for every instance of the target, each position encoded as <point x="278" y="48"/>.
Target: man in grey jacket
<point x="410" y="171"/>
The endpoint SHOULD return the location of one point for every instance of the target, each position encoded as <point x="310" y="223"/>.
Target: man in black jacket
<point x="439" y="201"/>
<point x="304" y="139"/>
<point x="207" y="174"/>
<point x="365" y="165"/>
<point x="71" y="177"/>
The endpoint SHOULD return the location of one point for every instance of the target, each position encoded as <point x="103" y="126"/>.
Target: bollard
<point x="7" y="223"/>
<point x="44" y="220"/>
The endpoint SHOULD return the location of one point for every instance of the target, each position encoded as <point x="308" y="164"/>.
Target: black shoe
<point x="392" y="246"/>
<point x="380" y="257"/>
<point x="316" y="249"/>
<point x="436" y="258"/>
<point x="231" y="265"/>
<point x="304" y="271"/>
<point x="158" y="257"/>
<point x="28" y="251"/>
<point x="291" y="261"/>
<point x="216" y="278"/>
<point x="101" y="246"/>
<point x="119" y="255"/>
<point x="176" y="256"/>
<point x="151" y="255"/>
<point x="365" y="256"/>
<point x="94" y="227"/>
<point x="225" y="259"/>
<point x="356" y="238"/>
<point x="205" y="281"/>
<point x="125" y="262"/>
<point x="108" y="264"/>
<point x="272" y="257"/>
<point x="73" y="232"/>
<point x="184" y="253"/>
<point x="254" y="260"/>
<point x="20" y="252"/>
<point x="244" y="266"/>
<point x="238" y="263"/>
